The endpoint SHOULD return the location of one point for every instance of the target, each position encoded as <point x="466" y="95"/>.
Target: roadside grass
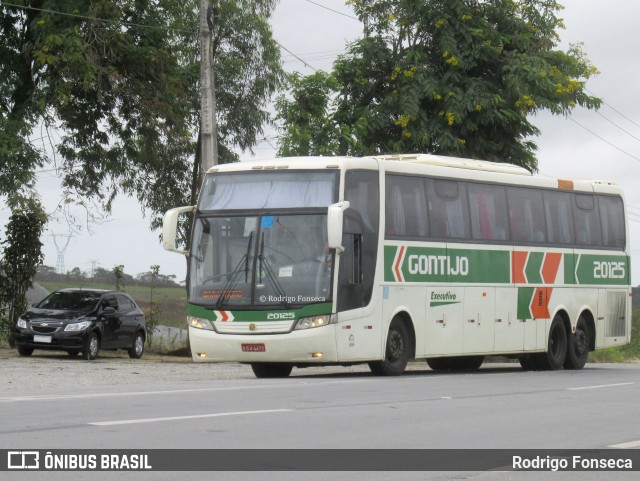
<point x="172" y="345"/>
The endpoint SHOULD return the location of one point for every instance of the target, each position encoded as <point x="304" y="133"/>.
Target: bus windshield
<point x="263" y="260"/>
<point x="268" y="190"/>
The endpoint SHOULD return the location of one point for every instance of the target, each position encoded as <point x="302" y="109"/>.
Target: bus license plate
<point x="253" y="347"/>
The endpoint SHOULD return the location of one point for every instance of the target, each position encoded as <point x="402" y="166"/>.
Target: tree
<point x="120" y="81"/>
<point x="118" y="272"/>
<point x="154" y="309"/>
<point x="455" y="77"/>
<point x="21" y="254"/>
<point x="309" y="128"/>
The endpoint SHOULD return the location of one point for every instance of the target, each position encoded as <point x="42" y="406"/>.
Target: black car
<point x="82" y="321"/>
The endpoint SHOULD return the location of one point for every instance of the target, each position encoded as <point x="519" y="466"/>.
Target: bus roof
<point x="425" y="164"/>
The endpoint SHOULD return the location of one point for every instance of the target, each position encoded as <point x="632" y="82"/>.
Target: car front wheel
<point x="91" y="347"/>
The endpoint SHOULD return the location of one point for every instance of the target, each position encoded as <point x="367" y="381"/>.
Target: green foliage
<point x="154" y="308"/>
<point x="120" y="81"/>
<point x="454" y="77"/>
<point x="306" y="117"/>
<point x="118" y="272"/>
<point x="21" y="253"/>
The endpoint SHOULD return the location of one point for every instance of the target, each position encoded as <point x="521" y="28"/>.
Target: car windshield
<point x="260" y="260"/>
<point x="71" y="301"/>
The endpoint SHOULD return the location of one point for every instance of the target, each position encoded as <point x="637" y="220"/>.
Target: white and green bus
<point x="297" y="262"/>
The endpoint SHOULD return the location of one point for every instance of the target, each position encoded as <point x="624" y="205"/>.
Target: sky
<point x="596" y="145"/>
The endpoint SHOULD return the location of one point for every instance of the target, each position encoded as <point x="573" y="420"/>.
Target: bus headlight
<point x="200" y="323"/>
<point x="316" y="321"/>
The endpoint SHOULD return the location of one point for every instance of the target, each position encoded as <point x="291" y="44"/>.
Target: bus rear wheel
<point x="397" y="352"/>
<point x="271" y="369"/>
<point x="577" y="346"/>
<point x="556" y="353"/>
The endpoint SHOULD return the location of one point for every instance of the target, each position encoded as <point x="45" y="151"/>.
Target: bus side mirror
<point x="334" y="225"/>
<point x="170" y="228"/>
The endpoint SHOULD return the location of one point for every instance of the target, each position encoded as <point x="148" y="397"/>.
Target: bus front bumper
<point x="304" y="346"/>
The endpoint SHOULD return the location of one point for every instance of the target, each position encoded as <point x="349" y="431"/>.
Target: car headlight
<point x="200" y="323"/>
<point x="77" y="326"/>
<point x="22" y="323"/>
<point x="316" y="321"/>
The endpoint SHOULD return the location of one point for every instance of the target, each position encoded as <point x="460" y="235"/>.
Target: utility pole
<point x="208" y="127"/>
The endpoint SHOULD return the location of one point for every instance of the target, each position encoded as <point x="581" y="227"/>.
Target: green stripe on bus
<point x="525" y="294"/>
<point x="442" y="303"/>
<point x="534" y="267"/>
<point x="593" y="269"/>
<point x="259" y="315"/>
<point x="439" y="264"/>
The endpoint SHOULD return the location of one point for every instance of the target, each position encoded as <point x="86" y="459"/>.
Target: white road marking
<point x="601" y="386"/>
<point x="181" y="418"/>
<point x="629" y="445"/>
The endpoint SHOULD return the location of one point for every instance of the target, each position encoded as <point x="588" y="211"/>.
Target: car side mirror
<point x="108" y="310"/>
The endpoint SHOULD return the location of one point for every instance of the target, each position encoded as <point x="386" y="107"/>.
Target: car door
<point x="109" y="317"/>
<point x="128" y="319"/>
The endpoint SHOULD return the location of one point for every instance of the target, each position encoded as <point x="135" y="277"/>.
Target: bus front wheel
<point x="397" y="352"/>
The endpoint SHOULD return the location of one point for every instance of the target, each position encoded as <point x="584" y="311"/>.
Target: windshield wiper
<point x="235" y="275"/>
<point x="270" y="274"/>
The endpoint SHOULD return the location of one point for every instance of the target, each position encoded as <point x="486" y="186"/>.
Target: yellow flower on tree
<point x="450" y="118"/>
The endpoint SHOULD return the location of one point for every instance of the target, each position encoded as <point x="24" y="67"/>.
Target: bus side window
<point x="612" y="215"/>
<point x="406" y="207"/>
<point x="448" y="209"/>
<point x="526" y="215"/>
<point x="557" y="209"/>
<point x="488" y="212"/>
<point x="587" y="221"/>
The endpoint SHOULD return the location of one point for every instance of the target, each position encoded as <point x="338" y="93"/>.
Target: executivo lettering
<point x="438" y="265"/>
<point x="448" y="296"/>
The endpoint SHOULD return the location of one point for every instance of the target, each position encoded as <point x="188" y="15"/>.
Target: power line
<point x="616" y="125"/>
<point x="86" y="17"/>
<point x="614" y="109"/>
<point x="131" y="24"/>
<point x="604" y="140"/>
<point x="334" y="11"/>
<point x="306" y="64"/>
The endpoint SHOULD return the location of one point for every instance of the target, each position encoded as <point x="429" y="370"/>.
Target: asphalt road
<point x="118" y="403"/>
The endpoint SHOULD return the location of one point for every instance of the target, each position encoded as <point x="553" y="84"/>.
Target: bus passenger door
<point x="444" y="318"/>
<point x="478" y="321"/>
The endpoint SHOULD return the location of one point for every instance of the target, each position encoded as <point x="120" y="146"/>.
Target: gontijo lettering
<point x="430" y="264"/>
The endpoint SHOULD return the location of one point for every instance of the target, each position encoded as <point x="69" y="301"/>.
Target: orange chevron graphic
<point x="518" y="263"/>
<point x="548" y="269"/>
<point x="540" y="303"/>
